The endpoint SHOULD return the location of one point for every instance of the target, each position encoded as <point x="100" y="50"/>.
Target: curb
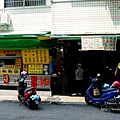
<point x="45" y="97"/>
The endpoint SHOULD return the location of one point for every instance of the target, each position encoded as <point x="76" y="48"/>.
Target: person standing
<point x="79" y="86"/>
<point x="63" y="79"/>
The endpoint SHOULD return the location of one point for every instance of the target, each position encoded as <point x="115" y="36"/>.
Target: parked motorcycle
<point x="103" y="95"/>
<point x="27" y="95"/>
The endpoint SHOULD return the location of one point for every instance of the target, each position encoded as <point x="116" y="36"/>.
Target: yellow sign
<point x="37" y="56"/>
<point x="9" y="71"/>
<point x="10" y="53"/>
<point x="35" y="69"/>
<point x="9" y="66"/>
<point x="18" y="63"/>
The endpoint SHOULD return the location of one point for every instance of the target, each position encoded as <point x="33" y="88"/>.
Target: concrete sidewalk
<point x="45" y="97"/>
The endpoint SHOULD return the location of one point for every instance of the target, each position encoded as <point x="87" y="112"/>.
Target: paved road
<point x="11" y="110"/>
<point x="51" y="108"/>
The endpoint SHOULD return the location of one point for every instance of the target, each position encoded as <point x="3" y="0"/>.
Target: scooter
<point x="27" y="95"/>
<point x="104" y="97"/>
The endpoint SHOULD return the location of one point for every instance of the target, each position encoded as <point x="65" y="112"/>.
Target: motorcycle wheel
<point x="88" y="100"/>
<point x="34" y="106"/>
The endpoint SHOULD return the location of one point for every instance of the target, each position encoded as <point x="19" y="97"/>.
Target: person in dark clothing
<point x="78" y="80"/>
<point x="63" y="78"/>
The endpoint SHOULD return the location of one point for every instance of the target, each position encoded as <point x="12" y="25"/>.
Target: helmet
<point x="116" y="84"/>
<point x="105" y="86"/>
<point x="23" y="74"/>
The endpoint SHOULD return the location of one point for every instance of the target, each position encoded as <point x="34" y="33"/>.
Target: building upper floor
<point x="25" y="15"/>
<point x="23" y="3"/>
<point x="62" y="16"/>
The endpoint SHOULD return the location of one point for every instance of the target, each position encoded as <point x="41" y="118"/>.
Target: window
<point x="34" y="2"/>
<point x="13" y="3"/>
<point x="22" y="3"/>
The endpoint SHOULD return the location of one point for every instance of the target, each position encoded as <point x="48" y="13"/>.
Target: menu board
<point x="35" y="69"/>
<point x="99" y="43"/>
<point x="18" y="63"/>
<point x="10" y="53"/>
<point x="37" y="56"/>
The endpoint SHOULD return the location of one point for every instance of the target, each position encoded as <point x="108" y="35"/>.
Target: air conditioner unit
<point x="4" y="19"/>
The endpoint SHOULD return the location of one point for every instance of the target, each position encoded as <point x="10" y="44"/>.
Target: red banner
<point x="6" y="79"/>
<point x="34" y="81"/>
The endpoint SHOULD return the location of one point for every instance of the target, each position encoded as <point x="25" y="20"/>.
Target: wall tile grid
<point x="94" y="16"/>
<point x="29" y="19"/>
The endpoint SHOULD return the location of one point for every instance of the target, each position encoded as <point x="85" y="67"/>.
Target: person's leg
<point x="75" y="87"/>
<point x="82" y="86"/>
<point x="63" y="87"/>
<point x="78" y="87"/>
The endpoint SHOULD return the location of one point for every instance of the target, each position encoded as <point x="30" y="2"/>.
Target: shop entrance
<point x="96" y="61"/>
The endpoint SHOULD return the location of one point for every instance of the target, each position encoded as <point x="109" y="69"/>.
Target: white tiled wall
<point x="29" y="19"/>
<point x="1" y="4"/>
<point x="86" y="16"/>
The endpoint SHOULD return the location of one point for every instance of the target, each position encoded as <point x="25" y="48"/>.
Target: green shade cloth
<point x="24" y="43"/>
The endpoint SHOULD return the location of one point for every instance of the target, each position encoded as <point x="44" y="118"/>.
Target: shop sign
<point x="34" y="81"/>
<point x="9" y="79"/>
<point x="36" y="56"/>
<point x="107" y="43"/>
<point x="38" y="69"/>
<point x="35" y="69"/>
<point x="44" y="82"/>
<point x="5" y="79"/>
<point x="39" y="81"/>
<point x="10" y="53"/>
<point x="18" y="63"/>
<point x="9" y="70"/>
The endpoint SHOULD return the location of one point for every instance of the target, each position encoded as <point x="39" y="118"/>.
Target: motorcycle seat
<point x="28" y="88"/>
<point x="108" y="89"/>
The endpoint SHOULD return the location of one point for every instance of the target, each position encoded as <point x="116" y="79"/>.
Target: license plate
<point x="36" y="101"/>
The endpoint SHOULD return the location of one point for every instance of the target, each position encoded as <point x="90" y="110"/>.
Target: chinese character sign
<point x="107" y="43"/>
<point x="36" y="56"/>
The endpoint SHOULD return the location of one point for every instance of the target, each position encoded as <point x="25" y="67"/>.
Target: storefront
<point x="10" y="66"/>
<point x="96" y="52"/>
<point x="29" y="53"/>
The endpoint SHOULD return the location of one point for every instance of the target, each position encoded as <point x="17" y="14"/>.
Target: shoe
<point x="79" y="94"/>
<point x="74" y="94"/>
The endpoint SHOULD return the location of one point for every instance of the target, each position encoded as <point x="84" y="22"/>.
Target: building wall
<point x="1" y="4"/>
<point x="37" y="18"/>
<point x="85" y="16"/>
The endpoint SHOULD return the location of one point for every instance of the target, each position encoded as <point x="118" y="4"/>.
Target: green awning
<point x="22" y="42"/>
<point x="73" y="38"/>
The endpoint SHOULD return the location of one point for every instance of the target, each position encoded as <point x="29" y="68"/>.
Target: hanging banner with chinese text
<point x="107" y="43"/>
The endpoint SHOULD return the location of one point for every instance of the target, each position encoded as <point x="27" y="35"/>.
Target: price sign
<point x="36" y="56"/>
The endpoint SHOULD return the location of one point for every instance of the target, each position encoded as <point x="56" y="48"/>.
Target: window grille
<point x="23" y="3"/>
<point x="34" y="2"/>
